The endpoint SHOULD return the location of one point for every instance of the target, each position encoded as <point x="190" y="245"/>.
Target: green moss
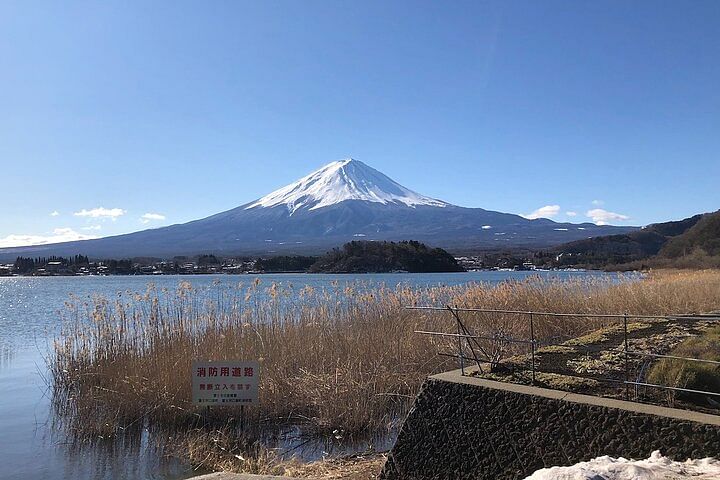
<point x="564" y="382"/>
<point x="603" y="335"/>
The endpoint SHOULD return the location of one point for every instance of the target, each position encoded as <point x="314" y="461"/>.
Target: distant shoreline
<point x="290" y="272"/>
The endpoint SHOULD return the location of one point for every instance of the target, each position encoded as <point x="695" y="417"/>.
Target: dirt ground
<point x="366" y="467"/>
<point x="595" y="364"/>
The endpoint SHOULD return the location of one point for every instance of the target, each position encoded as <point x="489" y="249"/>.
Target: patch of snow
<point x="486" y="227"/>
<point x="581" y="228"/>
<point x="657" y="467"/>
<point x="359" y="235"/>
<point x="560" y="229"/>
<point x="339" y="181"/>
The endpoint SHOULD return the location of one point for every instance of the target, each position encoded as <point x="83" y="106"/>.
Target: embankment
<point x="464" y="427"/>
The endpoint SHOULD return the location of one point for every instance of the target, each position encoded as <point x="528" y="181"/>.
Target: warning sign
<point x="225" y="383"/>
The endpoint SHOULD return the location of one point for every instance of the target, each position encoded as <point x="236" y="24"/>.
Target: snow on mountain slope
<point x="339" y="181"/>
<point x="323" y="210"/>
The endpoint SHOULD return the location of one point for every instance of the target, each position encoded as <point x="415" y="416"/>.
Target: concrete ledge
<point x="687" y="415"/>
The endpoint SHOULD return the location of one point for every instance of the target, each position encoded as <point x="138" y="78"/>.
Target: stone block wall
<point x="468" y="428"/>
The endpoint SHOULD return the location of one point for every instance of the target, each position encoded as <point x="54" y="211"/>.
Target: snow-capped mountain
<point x="339" y="181"/>
<point x="344" y="200"/>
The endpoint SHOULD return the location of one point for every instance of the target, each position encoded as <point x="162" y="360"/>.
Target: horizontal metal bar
<point x="679" y="389"/>
<point x="702" y="360"/>
<point x="481" y="337"/>
<point x="550" y="314"/>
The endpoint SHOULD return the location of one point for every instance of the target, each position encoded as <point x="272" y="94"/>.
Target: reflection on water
<point x="33" y="442"/>
<point x="6" y="355"/>
<point x="131" y="456"/>
<point x="142" y="451"/>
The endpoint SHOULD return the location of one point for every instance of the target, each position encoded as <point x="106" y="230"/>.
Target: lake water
<point x="29" y="319"/>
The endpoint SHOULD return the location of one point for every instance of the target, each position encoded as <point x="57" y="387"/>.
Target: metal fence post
<point x="532" y="346"/>
<point x="459" y="340"/>
<point x="627" y="363"/>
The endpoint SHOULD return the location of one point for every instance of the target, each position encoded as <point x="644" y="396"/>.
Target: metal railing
<point x="467" y="340"/>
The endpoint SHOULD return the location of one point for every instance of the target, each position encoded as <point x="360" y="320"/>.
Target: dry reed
<point x="339" y="359"/>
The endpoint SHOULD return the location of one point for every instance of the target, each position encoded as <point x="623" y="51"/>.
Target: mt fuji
<point x="342" y="201"/>
<point x="341" y="181"/>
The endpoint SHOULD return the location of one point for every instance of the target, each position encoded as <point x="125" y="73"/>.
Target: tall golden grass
<point x="340" y="359"/>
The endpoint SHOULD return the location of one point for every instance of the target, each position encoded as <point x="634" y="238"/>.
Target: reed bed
<point x="344" y="359"/>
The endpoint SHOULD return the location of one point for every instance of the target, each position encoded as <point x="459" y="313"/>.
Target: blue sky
<point x="114" y="110"/>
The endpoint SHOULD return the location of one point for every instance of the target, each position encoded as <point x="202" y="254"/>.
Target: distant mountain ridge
<point x="698" y="235"/>
<point x="342" y="201"/>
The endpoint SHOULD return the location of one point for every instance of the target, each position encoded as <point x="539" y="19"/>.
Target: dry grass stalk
<point x="344" y="358"/>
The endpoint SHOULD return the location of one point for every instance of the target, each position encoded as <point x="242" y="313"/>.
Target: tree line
<point x="353" y="257"/>
<point x="29" y="264"/>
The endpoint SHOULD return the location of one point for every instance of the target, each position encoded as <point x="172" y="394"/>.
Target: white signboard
<point x="225" y="383"/>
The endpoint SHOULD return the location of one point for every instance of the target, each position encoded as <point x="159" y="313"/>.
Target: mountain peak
<point x="345" y="161"/>
<point x="342" y="180"/>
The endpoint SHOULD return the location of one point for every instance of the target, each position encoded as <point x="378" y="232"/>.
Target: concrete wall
<point x="463" y="427"/>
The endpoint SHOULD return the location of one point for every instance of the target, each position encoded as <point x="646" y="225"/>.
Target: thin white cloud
<point x="100" y="212"/>
<point x="571" y="214"/>
<point x="603" y="217"/>
<point x="93" y="227"/>
<point x="548" y="211"/>
<point x="148" y="217"/>
<point x="597" y="203"/>
<point x="58" y="235"/>
<point x="54" y="213"/>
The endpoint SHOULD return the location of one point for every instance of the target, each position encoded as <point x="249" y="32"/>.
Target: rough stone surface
<point x="461" y="427"/>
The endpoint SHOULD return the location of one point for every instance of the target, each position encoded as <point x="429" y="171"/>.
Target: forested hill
<point x="379" y="257"/>
<point x="693" y="242"/>
<point x="702" y="237"/>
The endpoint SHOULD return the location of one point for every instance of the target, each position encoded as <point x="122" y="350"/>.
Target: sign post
<point x="225" y="383"/>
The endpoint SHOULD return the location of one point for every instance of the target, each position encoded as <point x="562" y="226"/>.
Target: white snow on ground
<point x="656" y="467"/>
<point x="339" y="181"/>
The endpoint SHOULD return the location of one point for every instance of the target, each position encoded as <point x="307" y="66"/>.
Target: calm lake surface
<point x="29" y="320"/>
